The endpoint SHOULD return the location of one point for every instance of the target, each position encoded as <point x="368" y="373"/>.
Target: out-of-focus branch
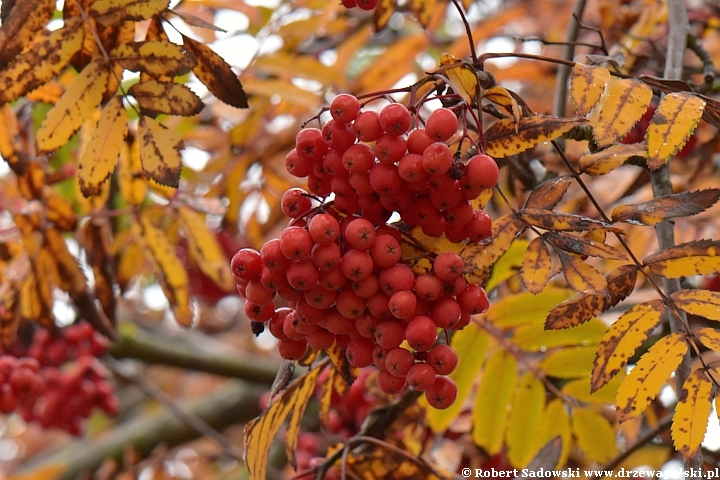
<point x="185" y="352"/>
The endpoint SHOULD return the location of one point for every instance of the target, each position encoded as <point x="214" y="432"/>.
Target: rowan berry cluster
<point x="38" y="383"/>
<point x="338" y="266"/>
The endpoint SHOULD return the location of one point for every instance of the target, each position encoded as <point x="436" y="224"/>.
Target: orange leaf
<point x="700" y="257"/>
<point x="605" y="161"/>
<point x="587" y="85"/>
<point x="622" y="339"/>
<point x="216" y="74"/>
<point x="710" y="337"/>
<point x="670" y="206"/>
<point x="581" y="276"/>
<point x="505" y="138"/>
<point x="691" y="413"/>
<point x="625" y="103"/>
<point x="703" y="303"/>
<point x="672" y="124"/>
<point x="462" y="77"/>
<point x="562" y="222"/>
<point x="650" y="373"/>
<point x="536" y="266"/>
<point x="548" y="194"/>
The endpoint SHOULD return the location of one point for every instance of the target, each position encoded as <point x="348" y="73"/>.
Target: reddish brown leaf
<point x="583" y="246"/>
<point x="575" y="311"/>
<point x="479" y="258"/>
<point x="549" y="194"/>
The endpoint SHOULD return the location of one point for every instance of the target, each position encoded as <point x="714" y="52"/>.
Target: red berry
<point x="473" y="300"/>
<point x="367" y="287"/>
<point x="421" y="376"/>
<point x="367" y="126"/>
<point x="395" y="119"/>
<point x="443" y="359"/>
<point x="428" y="287"/>
<point x="402" y="304"/>
<point x="397" y="277"/>
<point x="259" y="313"/>
<point x="390" y="148"/>
<point x="445" y="312"/>
<point x="482" y="170"/>
<point x="357" y="264"/>
<point x="296" y="166"/>
<point x="398" y="361"/>
<point x="410" y="168"/>
<point x="295" y="243"/>
<point x="310" y="144"/>
<point x="421" y="333"/>
<point x="320" y="339"/>
<point x="350" y="305"/>
<point x="377" y="305"/>
<point x="437" y="159"/>
<point x="246" y="264"/>
<point x="338" y="136"/>
<point x="480" y="227"/>
<point x="418" y="141"/>
<point x="448" y="266"/>
<point x="390" y="334"/>
<point x="358" y="158"/>
<point x="326" y="257"/>
<point x="272" y="257"/>
<point x="360" y="233"/>
<point x="344" y="107"/>
<point x="295" y="202"/>
<point x="389" y="383"/>
<point x="359" y="352"/>
<point x="292" y="349"/>
<point x="442" y="393"/>
<point x="386" y="251"/>
<point x="441" y="124"/>
<point x="257" y="293"/>
<point x="385" y="178"/>
<point x="302" y="274"/>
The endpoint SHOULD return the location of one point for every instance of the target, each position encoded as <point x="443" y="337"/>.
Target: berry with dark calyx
<point x="421" y="333"/>
<point x="482" y="170"/>
<point x="272" y="257"/>
<point x="410" y="168"/>
<point x="338" y="136"/>
<point x="385" y="251"/>
<point x="344" y="107"/>
<point x="310" y="144"/>
<point x="395" y="119"/>
<point x="390" y="148"/>
<point x="295" y="202"/>
<point x="395" y="278"/>
<point x="385" y="178"/>
<point x="295" y="243"/>
<point x="442" y="393"/>
<point x="367" y="126"/>
<point x="420" y="376"/>
<point x="302" y="274"/>
<point x="445" y="312"/>
<point x="398" y="361"/>
<point x="326" y="257"/>
<point x="296" y="166"/>
<point x="480" y="227"/>
<point x="448" y="266"/>
<point x="360" y="233"/>
<point x="443" y="359"/>
<point x="389" y="383"/>
<point x="357" y="264"/>
<point x="246" y="264"/>
<point x="390" y="334"/>
<point x="350" y="305"/>
<point x="473" y="300"/>
<point x="437" y="159"/>
<point x="359" y="352"/>
<point x="441" y="124"/>
<point x="292" y="349"/>
<point x="418" y="140"/>
<point x="358" y="158"/>
<point x="402" y="304"/>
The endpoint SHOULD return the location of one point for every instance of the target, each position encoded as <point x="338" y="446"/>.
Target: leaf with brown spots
<point x="113" y="12"/>
<point x="503" y="98"/>
<point x="96" y="242"/>
<point x="621" y="283"/>
<point x="548" y="194"/>
<point x="581" y="276"/>
<point x="672" y="124"/>
<point x="216" y="74"/>
<point x="587" y="84"/>
<point x="622" y="339"/>
<point x="605" y="161"/>
<point x="626" y="102"/>
<point x="658" y="209"/>
<point x="700" y="257"/>
<point x="582" y="246"/>
<point x="170" y="98"/>
<point x="710" y="337"/>
<point x="24" y="22"/>
<point x="479" y="258"/>
<point x="691" y="413"/>
<point x="651" y="372"/>
<point x="575" y="311"/>
<point x="160" y="152"/>
<point x="45" y="59"/>
<point x="536" y="267"/>
<point x="505" y="138"/>
<point x="462" y="77"/>
<point x="562" y="222"/>
<point x="703" y="303"/>
<point x="155" y="58"/>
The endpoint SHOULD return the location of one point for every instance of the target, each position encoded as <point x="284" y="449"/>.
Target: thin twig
<point x="659" y="427"/>
<point x="563" y="72"/>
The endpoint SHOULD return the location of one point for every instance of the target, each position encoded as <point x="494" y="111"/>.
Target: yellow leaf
<point x="672" y="124"/>
<point x="625" y="103"/>
<point x="528" y="406"/>
<point x="260" y="432"/>
<point x="584" y="246"/>
<point x="47" y="472"/>
<point x="505" y="138"/>
<point x="11" y="147"/>
<point x="173" y="276"/>
<point x="110" y="12"/>
<point x="575" y="311"/>
<point x="25" y="21"/>
<point x="462" y="76"/>
<point x="524" y="307"/>
<point x="154" y="57"/>
<point x="45" y="59"/>
<point x="503" y="98"/>
<point x="581" y="276"/>
<point x="383" y="12"/>
<point x="691" y="413"/>
<point x="423" y="10"/>
<point x="471" y="344"/>
<point x="536" y="266"/>
<point x="571" y="362"/>
<point x="131" y="178"/>
<point x="479" y="258"/>
<point x="701" y="257"/>
<point x="494" y="393"/>
<point x="392" y="64"/>
<point x="595" y="435"/>
<point x="555" y="423"/>
<point x="160" y="152"/>
<point x="624" y="337"/>
<point x="710" y="337"/>
<point x="29" y="299"/>
<point x="703" y="303"/>
<point x="549" y="193"/>
<point x="607" y="160"/>
<point x="580" y="390"/>
<point x="170" y="98"/>
<point x="67" y="273"/>
<point x="76" y="105"/>
<point x="507" y="265"/>
<point x="60" y="212"/>
<point x="205" y="249"/>
<point x="534" y="337"/>
<point x="649" y="375"/>
<point x="670" y="206"/>
<point x="292" y="66"/>
<point x="562" y="222"/>
<point x="587" y="84"/>
<point x="100" y="156"/>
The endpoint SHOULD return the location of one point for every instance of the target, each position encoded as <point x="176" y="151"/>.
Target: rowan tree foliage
<point x="481" y="235"/>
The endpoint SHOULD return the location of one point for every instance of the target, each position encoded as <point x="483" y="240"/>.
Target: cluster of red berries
<point x="339" y="267"/>
<point x="35" y="382"/>
<point x="362" y="4"/>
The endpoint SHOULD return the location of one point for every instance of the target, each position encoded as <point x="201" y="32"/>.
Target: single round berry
<point x="357" y="265"/>
<point x="420" y="376"/>
<point x="360" y="233"/>
<point x="323" y="228"/>
<point x="441" y="124"/>
<point x="257" y="293"/>
<point x="377" y="305"/>
<point x="386" y="251"/>
<point x="421" y="333"/>
<point x="442" y="393"/>
<point x="246" y="264"/>
<point x="473" y="300"/>
<point x="398" y="361"/>
<point x="396" y="278"/>
<point x="344" y="107"/>
<point x="429" y="287"/>
<point x="295" y="243"/>
<point x="437" y="159"/>
<point x="350" y="305"/>
<point x="395" y="119"/>
<point x="385" y="178"/>
<point x="448" y="266"/>
<point x="310" y="144"/>
<point x="326" y="257"/>
<point x="480" y="227"/>
<point x="390" y="148"/>
<point x="389" y="383"/>
<point x="292" y="349"/>
<point x="443" y="359"/>
<point x="410" y="168"/>
<point x="390" y="334"/>
<point x="367" y="126"/>
<point x="367" y="287"/>
<point x="302" y="274"/>
<point x="338" y="136"/>
<point x="320" y="339"/>
<point x="295" y="202"/>
<point x="367" y="4"/>
<point x="358" y="158"/>
<point x="359" y="352"/>
<point x="482" y="170"/>
<point x="445" y="312"/>
<point x="296" y="166"/>
<point x="418" y="141"/>
<point x="402" y="304"/>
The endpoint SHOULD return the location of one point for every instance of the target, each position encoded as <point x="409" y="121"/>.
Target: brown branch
<point x="563" y="71"/>
<point x="648" y="437"/>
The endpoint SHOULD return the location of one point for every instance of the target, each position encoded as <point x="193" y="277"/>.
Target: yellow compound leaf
<point x="622" y="339"/>
<point x="549" y="193"/>
<point x="29" y="299"/>
<point x="494" y="394"/>
<point x="581" y="276"/>
<point x="503" y="98"/>
<point x="101" y="154"/>
<point x="672" y="124"/>
<point x="595" y="435"/>
<point x="11" y="146"/>
<point x="131" y="177"/>
<point x="462" y="77"/>
<point x="536" y="269"/>
<point x="525" y="421"/>
<point x="205" y="249"/>
<point x="703" y="303"/>
<point x="587" y="84"/>
<point x="25" y="20"/>
<point x="562" y="222"/>
<point x="111" y="12"/>
<point x="160" y="152"/>
<point x="625" y="103"/>
<point x="580" y="390"/>
<point x="470" y="343"/>
<point x="45" y="59"/>
<point x="650" y="373"/>
<point x="383" y="12"/>
<point x="658" y="209"/>
<point x="505" y="138"/>
<point x="555" y="423"/>
<point x="709" y="337"/>
<point x="479" y="258"/>
<point x="534" y="337"/>
<point x="173" y="276"/>
<point x="525" y="307"/>
<point x="170" y="98"/>
<point x="76" y="105"/>
<point x="156" y="58"/>
<point x="260" y="432"/>
<point x="605" y="161"/>
<point x="701" y="257"/>
<point x="691" y="413"/>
